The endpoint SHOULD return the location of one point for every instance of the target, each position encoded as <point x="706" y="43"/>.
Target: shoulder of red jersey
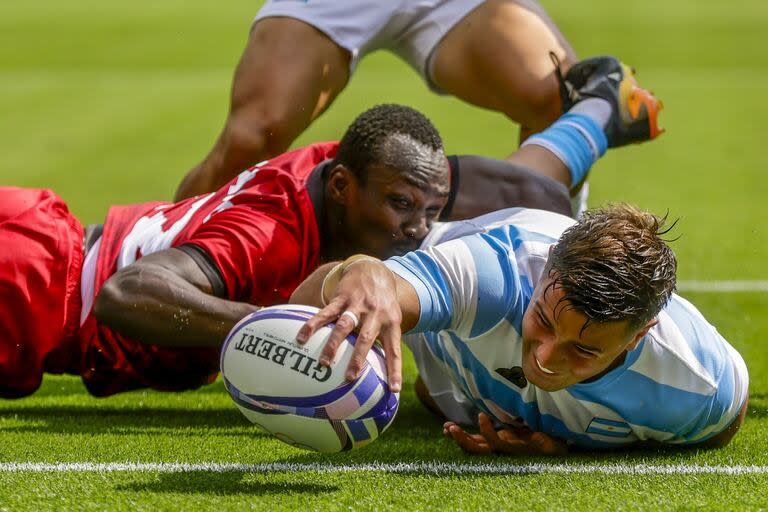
<point x="300" y="162"/>
<point x="276" y="189"/>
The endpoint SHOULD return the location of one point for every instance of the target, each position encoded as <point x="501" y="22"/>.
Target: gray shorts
<point x="411" y="29"/>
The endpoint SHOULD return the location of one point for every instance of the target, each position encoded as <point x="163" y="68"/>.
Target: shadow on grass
<point x="223" y="484"/>
<point x="758" y="406"/>
<point x="79" y="419"/>
<point x="121" y="415"/>
<point x="69" y="385"/>
<point x="416" y="434"/>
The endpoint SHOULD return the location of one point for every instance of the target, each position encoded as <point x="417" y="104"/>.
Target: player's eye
<point x="584" y="352"/>
<point x="543" y="321"/>
<point x="400" y="202"/>
<point x="433" y="211"/>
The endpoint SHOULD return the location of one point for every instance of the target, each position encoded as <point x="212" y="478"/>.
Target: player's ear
<point x="641" y="333"/>
<point x="339" y="184"/>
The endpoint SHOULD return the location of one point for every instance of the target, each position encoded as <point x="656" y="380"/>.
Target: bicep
<point x="167" y="264"/>
<point x="448" y="282"/>
<point x="151" y="282"/>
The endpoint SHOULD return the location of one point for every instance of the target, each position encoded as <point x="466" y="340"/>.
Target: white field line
<point x="433" y="468"/>
<point x="722" y="286"/>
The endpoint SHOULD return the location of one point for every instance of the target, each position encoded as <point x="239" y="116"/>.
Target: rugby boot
<point x="634" y="110"/>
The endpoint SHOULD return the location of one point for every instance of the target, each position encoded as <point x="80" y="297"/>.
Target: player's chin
<point x="379" y="251"/>
<point x="404" y="248"/>
<point x="547" y="384"/>
<point x="549" y="387"/>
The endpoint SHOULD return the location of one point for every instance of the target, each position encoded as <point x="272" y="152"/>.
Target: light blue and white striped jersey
<point x="683" y="383"/>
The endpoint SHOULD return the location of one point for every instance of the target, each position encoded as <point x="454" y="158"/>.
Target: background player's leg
<point x="288" y="75"/>
<point x="497" y="57"/>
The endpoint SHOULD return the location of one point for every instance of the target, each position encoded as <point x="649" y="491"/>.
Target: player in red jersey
<point x="148" y="297"/>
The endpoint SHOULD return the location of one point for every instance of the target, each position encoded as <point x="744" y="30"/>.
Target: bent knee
<point x="244" y="142"/>
<point x="541" y="105"/>
<point x="249" y="139"/>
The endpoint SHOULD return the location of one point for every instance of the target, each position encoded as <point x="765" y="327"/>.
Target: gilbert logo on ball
<point x="280" y="386"/>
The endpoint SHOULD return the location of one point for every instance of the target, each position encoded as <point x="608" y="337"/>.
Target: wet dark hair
<point x="614" y="265"/>
<point x="392" y="135"/>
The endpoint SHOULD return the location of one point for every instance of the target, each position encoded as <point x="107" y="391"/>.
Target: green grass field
<point x="112" y="103"/>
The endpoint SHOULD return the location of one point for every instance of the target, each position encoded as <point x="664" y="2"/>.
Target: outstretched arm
<point x="384" y="303"/>
<point x="487" y="185"/>
<point x="165" y="298"/>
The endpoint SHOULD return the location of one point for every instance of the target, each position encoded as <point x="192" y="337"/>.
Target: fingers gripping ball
<point x="279" y="384"/>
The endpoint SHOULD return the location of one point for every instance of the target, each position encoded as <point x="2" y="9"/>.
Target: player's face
<point x="557" y="353"/>
<point x="390" y="215"/>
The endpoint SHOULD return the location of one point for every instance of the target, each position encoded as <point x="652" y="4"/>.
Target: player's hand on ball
<point x="365" y="300"/>
<point x="505" y="441"/>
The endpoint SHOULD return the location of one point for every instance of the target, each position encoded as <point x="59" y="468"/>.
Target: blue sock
<point x="577" y="140"/>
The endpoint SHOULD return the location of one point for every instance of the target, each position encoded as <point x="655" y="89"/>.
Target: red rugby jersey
<point x="259" y="230"/>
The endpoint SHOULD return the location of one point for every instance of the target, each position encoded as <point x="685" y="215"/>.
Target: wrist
<point x="331" y="280"/>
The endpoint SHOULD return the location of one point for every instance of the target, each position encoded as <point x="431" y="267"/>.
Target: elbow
<point x="723" y="438"/>
<point x="113" y="297"/>
<point x="719" y="441"/>
<point x="105" y="305"/>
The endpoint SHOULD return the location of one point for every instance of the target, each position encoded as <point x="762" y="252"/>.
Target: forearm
<point x="487" y="185"/>
<point x="152" y="304"/>
<point x="311" y="290"/>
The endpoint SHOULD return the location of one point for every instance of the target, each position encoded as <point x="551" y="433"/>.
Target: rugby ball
<point x="279" y="385"/>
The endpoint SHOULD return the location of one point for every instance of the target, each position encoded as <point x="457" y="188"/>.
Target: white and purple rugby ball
<point x="279" y="385"/>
